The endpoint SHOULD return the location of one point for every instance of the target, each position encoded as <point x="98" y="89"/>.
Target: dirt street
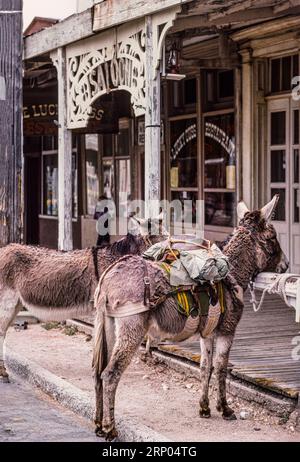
<point x="156" y="396"/>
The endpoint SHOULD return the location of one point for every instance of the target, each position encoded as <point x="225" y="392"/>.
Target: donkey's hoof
<point x="112" y="436"/>
<point x="99" y="432"/>
<point x="4" y="378"/>
<point x="205" y="413"/>
<point x="229" y="415"/>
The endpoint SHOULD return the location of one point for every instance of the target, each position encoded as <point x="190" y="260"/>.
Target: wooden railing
<point x="292" y="289"/>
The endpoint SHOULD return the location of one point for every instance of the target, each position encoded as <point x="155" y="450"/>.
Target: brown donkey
<point x="251" y="249"/>
<point x="57" y="286"/>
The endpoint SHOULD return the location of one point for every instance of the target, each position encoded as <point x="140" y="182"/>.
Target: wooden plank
<point x="11" y="223"/>
<point x="113" y="12"/>
<point x="72" y="29"/>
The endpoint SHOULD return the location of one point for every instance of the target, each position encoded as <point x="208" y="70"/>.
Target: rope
<point x="278" y="287"/>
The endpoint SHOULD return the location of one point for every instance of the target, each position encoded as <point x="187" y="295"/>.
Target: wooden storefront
<point x="216" y="135"/>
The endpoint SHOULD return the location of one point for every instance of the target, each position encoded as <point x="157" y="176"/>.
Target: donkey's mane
<point x="124" y="246"/>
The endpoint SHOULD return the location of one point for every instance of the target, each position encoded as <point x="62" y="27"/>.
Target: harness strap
<point x="95" y="251"/>
<point x="147" y="292"/>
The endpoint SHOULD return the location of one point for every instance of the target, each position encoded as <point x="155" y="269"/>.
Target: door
<point x="32" y="199"/>
<point x="283" y="174"/>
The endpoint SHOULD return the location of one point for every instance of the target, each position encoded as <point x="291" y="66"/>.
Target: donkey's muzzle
<point x="283" y="265"/>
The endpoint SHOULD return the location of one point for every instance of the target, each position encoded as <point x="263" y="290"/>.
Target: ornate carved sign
<point x="117" y="63"/>
<point x="113" y="60"/>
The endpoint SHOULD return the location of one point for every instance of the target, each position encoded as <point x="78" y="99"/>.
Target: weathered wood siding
<point x="10" y="121"/>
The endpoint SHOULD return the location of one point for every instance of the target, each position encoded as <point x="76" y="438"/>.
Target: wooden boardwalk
<point x="262" y="350"/>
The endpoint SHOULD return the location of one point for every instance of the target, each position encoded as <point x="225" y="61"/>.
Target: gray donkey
<point x="57" y="286"/>
<point x="252" y="248"/>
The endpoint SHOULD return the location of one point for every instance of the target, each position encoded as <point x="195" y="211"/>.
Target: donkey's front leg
<point x="223" y="345"/>
<point x="130" y="333"/>
<point x="205" y="371"/>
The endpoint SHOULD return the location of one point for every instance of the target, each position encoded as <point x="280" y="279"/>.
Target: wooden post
<point x="65" y="232"/>
<point x="247" y="131"/>
<point x="238" y="130"/>
<point x="11" y="155"/>
<point x="152" y="126"/>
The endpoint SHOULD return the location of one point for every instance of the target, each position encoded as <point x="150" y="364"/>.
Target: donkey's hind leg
<point x="130" y="332"/>
<point x="205" y="371"/>
<point x="109" y="341"/>
<point x="223" y="345"/>
<point x="9" y="308"/>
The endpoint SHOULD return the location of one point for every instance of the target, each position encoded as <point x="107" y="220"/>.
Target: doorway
<point x="32" y="198"/>
<point x="284" y="174"/>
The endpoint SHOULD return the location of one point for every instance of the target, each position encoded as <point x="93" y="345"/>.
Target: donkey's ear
<point x="268" y="210"/>
<point x="242" y="209"/>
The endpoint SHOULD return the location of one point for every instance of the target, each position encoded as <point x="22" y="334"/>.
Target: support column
<point x="65" y="232"/>
<point x="152" y="126"/>
<point x="248" y="192"/>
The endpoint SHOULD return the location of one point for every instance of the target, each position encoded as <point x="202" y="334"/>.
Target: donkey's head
<point x="268" y="253"/>
<point x="151" y="227"/>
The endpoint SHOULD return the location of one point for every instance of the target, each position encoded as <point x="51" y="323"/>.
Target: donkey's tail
<point x="100" y="349"/>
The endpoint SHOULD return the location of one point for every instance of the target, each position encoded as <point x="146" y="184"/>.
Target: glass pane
<point x="190" y="91"/>
<point x="296" y="126"/>
<point x="220" y="209"/>
<point x="107" y="145"/>
<point x="123" y="143"/>
<point x="220" y="152"/>
<point x="297" y="206"/>
<point x="280" y="210"/>
<point x="275" y="75"/>
<point x="286" y="73"/>
<point x="123" y="185"/>
<point x="184" y="153"/>
<point x="50" y="143"/>
<point x="92" y="173"/>
<point x="278" y="166"/>
<point x="226" y="84"/>
<point x="108" y="179"/>
<point x="278" y="130"/>
<point x="188" y="200"/>
<point x="295" y="65"/>
<point x="50" y="182"/>
<point x="296" y="165"/>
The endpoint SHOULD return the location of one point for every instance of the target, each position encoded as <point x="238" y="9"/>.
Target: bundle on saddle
<point x="195" y="270"/>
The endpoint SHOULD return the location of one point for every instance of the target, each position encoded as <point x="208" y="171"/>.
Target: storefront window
<point x="184" y="154"/>
<point x="124" y="186"/>
<point x="92" y="172"/>
<point x="188" y="200"/>
<point x="50" y="182"/>
<point x="50" y="178"/>
<point x="220" y="170"/>
<point x="282" y="71"/>
<point x="108" y="179"/>
<point x="219" y="209"/>
<point x="107" y="145"/>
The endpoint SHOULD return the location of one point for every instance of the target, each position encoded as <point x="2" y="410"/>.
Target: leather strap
<point x="147" y="292"/>
<point x="95" y="251"/>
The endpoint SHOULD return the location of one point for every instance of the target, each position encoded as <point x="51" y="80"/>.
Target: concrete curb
<point x="75" y="399"/>
<point x="281" y="407"/>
